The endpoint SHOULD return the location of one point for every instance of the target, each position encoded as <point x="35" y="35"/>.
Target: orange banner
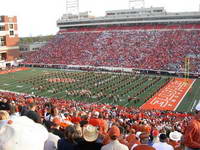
<point x="169" y="97"/>
<point x="14" y="70"/>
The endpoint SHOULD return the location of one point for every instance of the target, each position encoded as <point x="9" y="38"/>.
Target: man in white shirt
<point x="162" y="145"/>
<point x="114" y="134"/>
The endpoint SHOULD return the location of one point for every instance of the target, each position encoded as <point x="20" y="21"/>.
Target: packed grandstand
<point x="107" y="109"/>
<point x="154" y="48"/>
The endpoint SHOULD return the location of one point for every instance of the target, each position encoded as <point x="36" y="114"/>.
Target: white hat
<point x="96" y="113"/>
<point x="22" y="134"/>
<point x="145" y="122"/>
<point x="121" y="120"/>
<point x="138" y="134"/>
<point x="198" y="107"/>
<point x="175" y="136"/>
<point x="90" y="133"/>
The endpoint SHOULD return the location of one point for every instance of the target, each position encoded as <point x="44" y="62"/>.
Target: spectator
<point x="55" y="128"/>
<point x="192" y="132"/>
<point x="144" y="139"/>
<point x="162" y="145"/>
<point x="51" y="142"/>
<point x="21" y="134"/>
<point x="54" y="113"/>
<point x="90" y="138"/>
<point x="174" y="139"/>
<point x="155" y="135"/>
<point x="4" y="105"/>
<point x="14" y="111"/>
<point x="69" y="141"/>
<point x="84" y="120"/>
<point x="114" y="134"/>
<point x="32" y="114"/>
<point x="4" y="115"/>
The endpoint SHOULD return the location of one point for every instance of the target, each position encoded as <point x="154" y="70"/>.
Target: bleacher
<point x="146" y="47"/>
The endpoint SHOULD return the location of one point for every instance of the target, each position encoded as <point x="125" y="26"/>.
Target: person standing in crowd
<point x="144" y="139"/>
<point x="4" y="115"/>
<point x="114" y="134"/>
<point x="90" y="138"/>
<point x="53" y="114"/>
<point x="14" y="111"/>
<point x="192" y="132"/>
<point x="69" y="141"/>
<point x="51" y="142"/>
<point x="55" y="128"/>
<point x="32" y="114"/>
<point x="162" y="145"/>
<point x="22" y="133"/>
<point x="174" y="139"/>
<point x="84" y="120"/>
<point x="94" y="120"/>
<point x="4" y="104"/>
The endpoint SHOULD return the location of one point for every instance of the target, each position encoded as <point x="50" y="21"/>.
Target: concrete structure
<point x="129" y="17"/>
<point x="32" y="46"/>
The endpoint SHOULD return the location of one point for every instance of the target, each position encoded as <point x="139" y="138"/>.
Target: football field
<point x="124" y="89"/>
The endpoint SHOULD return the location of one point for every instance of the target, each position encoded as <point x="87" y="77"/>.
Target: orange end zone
<point x="169" y="97"/>
<point x="14" y="70"/>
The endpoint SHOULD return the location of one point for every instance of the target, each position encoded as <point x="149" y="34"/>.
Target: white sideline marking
<point x="184" y="95"/>
<point x="194" y="104"/>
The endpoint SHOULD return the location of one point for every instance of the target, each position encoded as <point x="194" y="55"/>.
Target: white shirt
<point x="51" y="142"/>
<point x="114" y="145"/>
<point x="162" y="146"/>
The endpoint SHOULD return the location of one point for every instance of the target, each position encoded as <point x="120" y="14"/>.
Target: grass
<point x="115" y="88"/>
<point x="193" y="96"/>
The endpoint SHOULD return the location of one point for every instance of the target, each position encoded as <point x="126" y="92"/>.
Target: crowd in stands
<point x="151" y="48"/>
<point x="37" y="123"/>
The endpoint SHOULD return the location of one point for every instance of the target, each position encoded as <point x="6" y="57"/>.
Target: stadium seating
<point x="145" y="47"/>
<point x="128" y="119"/>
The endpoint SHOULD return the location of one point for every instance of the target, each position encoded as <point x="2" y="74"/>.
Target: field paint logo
<point x="170" y="96"/>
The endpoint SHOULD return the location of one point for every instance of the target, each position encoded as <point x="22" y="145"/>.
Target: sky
<point x="38" y="17"/>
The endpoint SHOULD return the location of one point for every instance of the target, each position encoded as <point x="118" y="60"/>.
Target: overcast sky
<point x="38" y="17"/>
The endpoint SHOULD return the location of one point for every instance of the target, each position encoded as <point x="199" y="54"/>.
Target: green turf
<point x="187" y="104"/>
<point x="116" y="88"/>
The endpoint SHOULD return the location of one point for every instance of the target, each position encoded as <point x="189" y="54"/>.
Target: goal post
<point x="187" y="68"/>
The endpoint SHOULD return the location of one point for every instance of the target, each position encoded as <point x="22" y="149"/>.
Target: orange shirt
<point x="175" y="144"/>
<point x="133" y="142"/>
<point x="106" y="139"/>
<point x="103" y="126"/>
<point x="144" y="147"/>
<point x="95" y="122"/>
<point x="130" y="138"/>
<point x="192" y="134"/>
<point x="75" y="119"/>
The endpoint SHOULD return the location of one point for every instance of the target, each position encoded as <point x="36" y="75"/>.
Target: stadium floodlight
<point x="136" y="4"/>
<point x="72" y="7"/>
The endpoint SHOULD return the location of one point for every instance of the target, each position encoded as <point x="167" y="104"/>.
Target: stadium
<point x="137" y="63"/>
<point x="153" y="47"/>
